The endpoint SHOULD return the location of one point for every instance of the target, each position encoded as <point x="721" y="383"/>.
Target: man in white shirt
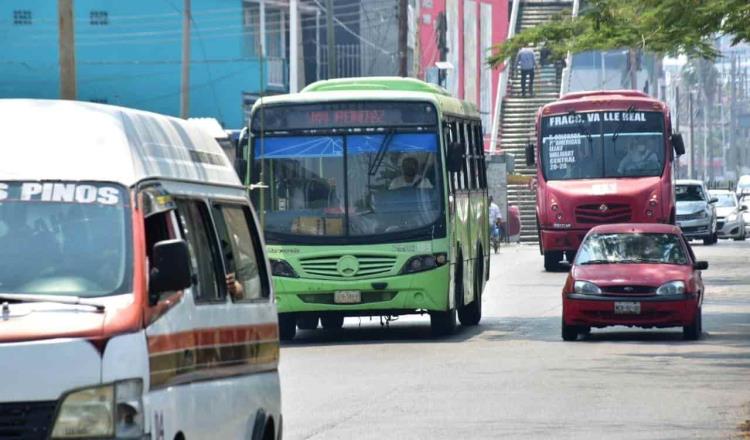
<point x="494" y="213"/>
<point x="410" y="177"/>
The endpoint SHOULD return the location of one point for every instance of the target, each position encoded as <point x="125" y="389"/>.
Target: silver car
<point x="729" y="215"/>
<point x="696" y="214"/>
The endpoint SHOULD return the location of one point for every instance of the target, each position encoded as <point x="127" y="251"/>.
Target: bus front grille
<point x="348" y="266"/>
<point x="603" y="213"/>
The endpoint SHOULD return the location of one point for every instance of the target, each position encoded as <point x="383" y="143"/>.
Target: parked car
<point x="743" y="186"/>
<point x="642" y="275"/>
<point x="730" y="222"/>
<point x="744" y="203"/>
<point x="696" y="214"/>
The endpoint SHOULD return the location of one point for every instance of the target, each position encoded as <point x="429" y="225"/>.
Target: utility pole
<point x="732" y="114"/>
<point x="293" y="56"/>
<point x="723" y="137"/>
<point x="403" y="26"/>
<point x="330" y="40"/>
<point x="185" y="80"/>
<point x="691" y="158"/>
<point x="67" y="49"/>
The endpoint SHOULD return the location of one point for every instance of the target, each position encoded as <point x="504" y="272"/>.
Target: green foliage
<point x="658" y="26"/>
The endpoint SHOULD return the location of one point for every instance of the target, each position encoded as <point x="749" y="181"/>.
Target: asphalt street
<point x="514" y="377"/>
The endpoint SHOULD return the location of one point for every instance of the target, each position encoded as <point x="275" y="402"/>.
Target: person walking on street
<point x="527" y="64"/>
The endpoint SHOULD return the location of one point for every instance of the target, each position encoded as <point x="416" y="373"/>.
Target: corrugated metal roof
<point x="71" y="140"/>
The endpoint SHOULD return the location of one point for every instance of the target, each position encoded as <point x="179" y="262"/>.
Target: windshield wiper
<point x="60" y="299"/>
<point x="596" y="262"/>
<point x="616" y="134"/>
<point x="380" y="155"/>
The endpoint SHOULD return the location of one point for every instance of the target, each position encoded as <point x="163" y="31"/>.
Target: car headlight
<point x="282" y="268"/>
<point x="586" y="288"/>
<point x="732" y="217"/>
<point x="113" y="410"/>
<point x="671" y="288"/>
<point x="419" y="263"/>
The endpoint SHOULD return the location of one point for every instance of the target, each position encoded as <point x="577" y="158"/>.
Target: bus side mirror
<point x="170" y="269"/>
<point x="677" y="144"/>
<point x="455" y="157"/>
<point x="530" y="155"/>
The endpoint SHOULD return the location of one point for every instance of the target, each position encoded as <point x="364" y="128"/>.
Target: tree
<point x="657" y="26"/>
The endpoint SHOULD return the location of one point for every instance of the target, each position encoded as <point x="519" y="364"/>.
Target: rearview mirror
<point x="678" y="144"/>
<point x="170" y="269"/>
<point x="700" y="265"/>
<point x="455" y="157"/>
<point x="530" y="159"/>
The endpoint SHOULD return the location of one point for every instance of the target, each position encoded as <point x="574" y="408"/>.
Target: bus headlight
<point x="114" y="410"/>
<point x="671" y="288"/>
<point x="419" y="263"/>
<point x="282" y="268"/>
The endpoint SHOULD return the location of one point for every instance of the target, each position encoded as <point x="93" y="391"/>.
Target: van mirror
<point x="678" y="144"/>
<point x="700" y="265"/>
<point x="455" y="157"/>
<point x="530" y="155"/>
<point x="170" y="269"/>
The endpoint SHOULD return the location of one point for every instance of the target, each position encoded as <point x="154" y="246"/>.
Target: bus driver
<point x="409" y="177"/>
<point x="637" y="160"/>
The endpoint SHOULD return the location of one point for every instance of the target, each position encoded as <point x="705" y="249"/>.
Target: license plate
<point x="347" y="297"/>
<point x="627" y="308"/>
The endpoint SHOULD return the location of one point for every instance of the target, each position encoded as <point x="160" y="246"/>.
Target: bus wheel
<point x="307" y="321"/>
<point x="552" y="261"/>
<point x="471" y="313"/>
<point x="332" y="321"/>
<point x="287" y="326"/>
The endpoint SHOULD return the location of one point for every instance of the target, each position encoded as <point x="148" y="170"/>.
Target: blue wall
<point x="135" y="59"/>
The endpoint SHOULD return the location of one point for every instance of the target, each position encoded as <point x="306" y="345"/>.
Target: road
<point x="513" y="377"/>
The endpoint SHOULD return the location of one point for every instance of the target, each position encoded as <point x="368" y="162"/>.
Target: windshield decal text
<point x="60" y="192"/>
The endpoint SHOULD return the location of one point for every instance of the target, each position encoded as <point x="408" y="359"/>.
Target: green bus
<point x="373" y="197"/>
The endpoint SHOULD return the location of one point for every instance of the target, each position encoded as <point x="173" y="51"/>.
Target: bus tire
<point x="287" y="326"/>
<point x="443" y="323"/>
<point x="332" y="321"/>
<point x="470" y="314"/>
<point x="552" y="261"/>
<point x="307" y="321"/>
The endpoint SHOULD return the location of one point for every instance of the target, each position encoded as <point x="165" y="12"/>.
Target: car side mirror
<point x="700" y="265"/>
<point x="713" y="200"/>
<point x="530" y="159"/>
<point x="455" y="157"/>
<point x="170" y="269"/>
<point x="743" y="208"/>
<point x="678" y="144"/>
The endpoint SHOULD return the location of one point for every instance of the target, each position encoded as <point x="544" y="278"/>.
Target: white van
<point x="135" y="296"/>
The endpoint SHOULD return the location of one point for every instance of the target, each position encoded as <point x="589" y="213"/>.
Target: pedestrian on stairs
<point x="527" y="64"/>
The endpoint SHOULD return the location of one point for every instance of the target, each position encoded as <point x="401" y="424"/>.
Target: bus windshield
<point x="351" y="183"/>
<point x="597" y="145"/>
<point x="64" y="239"/>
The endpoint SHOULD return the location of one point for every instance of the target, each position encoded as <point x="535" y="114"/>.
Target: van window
<point x="240" y="252"/>
<point x="198" y="231"/>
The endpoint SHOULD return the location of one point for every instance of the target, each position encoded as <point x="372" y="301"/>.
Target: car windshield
<point x="625" y="248"/>
<point x="689" y="193"/>
<point x="726" y="200"/>
<point x="596" y="145"/>
<point x="64" y="239"/>
<point x="349" y="184"/>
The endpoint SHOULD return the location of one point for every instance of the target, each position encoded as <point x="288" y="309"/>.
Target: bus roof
<point x="603" y="100"/>
<point x="374" y="89"/>
<point x="71" y="140"/>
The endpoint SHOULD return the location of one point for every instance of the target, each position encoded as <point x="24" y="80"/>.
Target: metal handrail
<point x="565" y="80"/>
<point x="502" y="80"/>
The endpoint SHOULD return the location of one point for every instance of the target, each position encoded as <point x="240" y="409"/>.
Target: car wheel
<point x="693" y="331"/>
<point x="710" y="240"/>
<point x="307" y="322"/>
<point x="287" y="326"/>
<point x="569" y="332"/>
<point x="332" y="321"/>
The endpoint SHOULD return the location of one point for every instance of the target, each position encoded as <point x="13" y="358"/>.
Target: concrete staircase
<point x="518" y="114"/>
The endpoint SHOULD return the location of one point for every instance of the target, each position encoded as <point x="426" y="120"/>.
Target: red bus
<point x="601" y="157"/>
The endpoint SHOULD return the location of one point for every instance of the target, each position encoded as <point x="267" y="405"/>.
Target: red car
<point x="643" y="275"/>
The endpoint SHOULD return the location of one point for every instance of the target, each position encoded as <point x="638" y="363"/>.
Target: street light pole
<point x="67" y="49"/>
<point x="691" y="158"/>
<point x="185" y="79"/>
